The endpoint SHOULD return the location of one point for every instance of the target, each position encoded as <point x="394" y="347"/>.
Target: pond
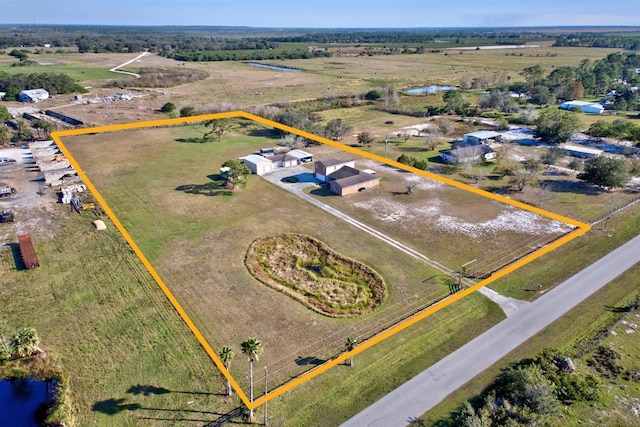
<point x="428" y="90"/>
<point x="23" y="401"/>
<point x="274" y="67"/>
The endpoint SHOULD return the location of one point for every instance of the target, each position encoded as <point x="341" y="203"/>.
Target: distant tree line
<point x="244" y="55"/>
<point x="618" y="41"/>
<point x="54" y="83"/>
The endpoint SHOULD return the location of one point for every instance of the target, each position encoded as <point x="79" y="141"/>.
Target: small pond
<point x="274" y="67"/>
<point x="23" y="401"/>
<point x="428" y="90"/>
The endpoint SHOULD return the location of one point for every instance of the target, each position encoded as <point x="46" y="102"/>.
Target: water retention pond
<point x="24" y="401"/>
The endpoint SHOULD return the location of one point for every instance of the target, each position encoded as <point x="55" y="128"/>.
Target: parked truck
<point x="6" y="191"/>
<point x="6" y="216"/>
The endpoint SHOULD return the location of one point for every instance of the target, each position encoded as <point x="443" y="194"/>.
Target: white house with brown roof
<point x="324" y="168"/>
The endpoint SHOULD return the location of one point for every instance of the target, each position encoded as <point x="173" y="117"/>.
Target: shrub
<point x="373" y="95"/>
<point x="187" y="111"/>
<point x="168" y="107"/>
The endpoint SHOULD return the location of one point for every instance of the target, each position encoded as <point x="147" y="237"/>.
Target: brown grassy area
<point x="310" y="272"/>
<point x="448" y="225"/>
<point x="237" y="84"/>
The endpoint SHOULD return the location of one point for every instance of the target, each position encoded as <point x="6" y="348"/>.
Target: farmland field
<point x="159" y="184"/>
<point x="132" y="361"/>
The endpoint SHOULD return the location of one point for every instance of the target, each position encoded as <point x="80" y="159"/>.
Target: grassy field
<point x="558" y="192"/>
<point x="574" y="256"/>
<point x="103" y="318"/>
<point x="82" y="67"/>
<point x="197" y="241"/>
<point x="132" y="361"/>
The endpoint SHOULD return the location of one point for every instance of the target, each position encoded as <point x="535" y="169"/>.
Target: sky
<point x="324" y="14"/>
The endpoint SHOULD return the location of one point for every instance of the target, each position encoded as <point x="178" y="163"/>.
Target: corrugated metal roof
<point x="483" y="134"/>
<point x="255" y="159"/>
<point x="334" y="162"/>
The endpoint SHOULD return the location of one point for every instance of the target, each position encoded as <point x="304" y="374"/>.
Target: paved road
<point x="432" y="386"/>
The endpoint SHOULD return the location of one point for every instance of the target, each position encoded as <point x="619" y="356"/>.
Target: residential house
<point x="581" y="152"/>
<point x="324" y="168"/>
<point x="468" y="154"/>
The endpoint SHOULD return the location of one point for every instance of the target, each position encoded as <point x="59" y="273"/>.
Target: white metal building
<point x="257" y="164"/>
<point x="585" y="107"/>
<point x="33" y="95"/>
<point x="582" y="152"/>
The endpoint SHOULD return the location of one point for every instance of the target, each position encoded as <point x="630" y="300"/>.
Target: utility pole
<point x="266" y="390"/>
<point x="386" y="142"/>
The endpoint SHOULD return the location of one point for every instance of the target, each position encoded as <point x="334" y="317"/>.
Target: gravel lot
<point x="33" y="204"/>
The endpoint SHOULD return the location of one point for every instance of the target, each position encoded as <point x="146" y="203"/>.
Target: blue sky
<point x="327" y="13"/>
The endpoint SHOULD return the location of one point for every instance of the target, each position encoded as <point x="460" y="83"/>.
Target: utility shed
<point x="582" y="152"/>
<point x="302" y="156"/>
<point x="33" y="95"/>
<point x="482" y="137"/>
<point x="257" y="164"/>
<point x="27" y="252"/>
<point x="585" y="107"/>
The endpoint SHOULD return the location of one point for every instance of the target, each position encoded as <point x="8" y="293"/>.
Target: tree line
<point x="617" y="41"/>
<point x="54" y="83"/>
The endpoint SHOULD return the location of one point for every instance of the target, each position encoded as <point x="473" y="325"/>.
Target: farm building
<point x="585" y="107"/>
<point x="324" y="168"/>
<point x="302" y="156"/>
<point x="257" y="164"/>
<point x="285" y="160"/>
<point x="482" y="137"/>
<point x="468" y="154"/>
<point x="349" y="180"/>
<point x="581" y="152"/>
<point x="33" y="95"/>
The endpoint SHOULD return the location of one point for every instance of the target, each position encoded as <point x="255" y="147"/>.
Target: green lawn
<point x="102" y="316"/>
<point x="76" y="72"/>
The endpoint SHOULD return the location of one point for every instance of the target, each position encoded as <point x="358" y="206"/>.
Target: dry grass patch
<point x="310" y="272"/>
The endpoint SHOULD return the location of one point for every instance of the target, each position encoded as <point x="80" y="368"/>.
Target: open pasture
<point x="195" y="234"/>
<point x="239" y="83"/>
<point x="197" y="240"/>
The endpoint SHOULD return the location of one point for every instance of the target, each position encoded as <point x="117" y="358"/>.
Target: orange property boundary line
<point x="580" y="229"/>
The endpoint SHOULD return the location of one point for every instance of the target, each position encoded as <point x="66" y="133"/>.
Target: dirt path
<point x="117" y="69"/>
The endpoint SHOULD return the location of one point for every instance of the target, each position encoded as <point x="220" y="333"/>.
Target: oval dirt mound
<point x="314" y="274"/>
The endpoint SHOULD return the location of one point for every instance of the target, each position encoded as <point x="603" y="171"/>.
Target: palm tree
<point x="351" y="344"/>
<point x="26" y="341"/>
<point x="251" y="347"/>
<point x="226" y="354"/>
